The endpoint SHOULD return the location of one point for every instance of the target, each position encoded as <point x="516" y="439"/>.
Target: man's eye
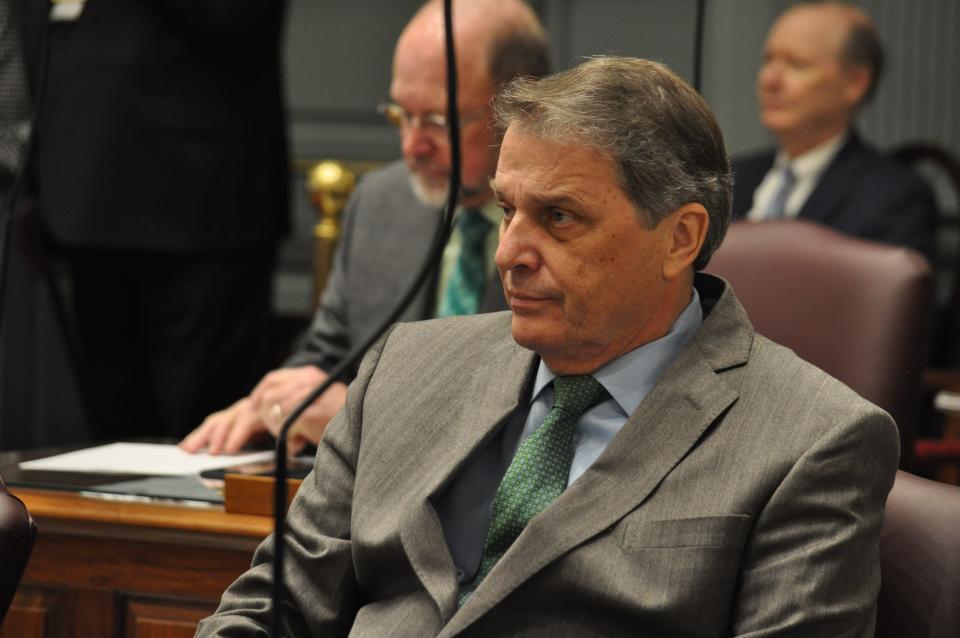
<point x="507" y="211"/>
<point x="559" y="217"/>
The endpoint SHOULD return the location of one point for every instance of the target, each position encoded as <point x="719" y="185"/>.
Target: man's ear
<point x="859" y="78"/>
<point x="687" y="230"/>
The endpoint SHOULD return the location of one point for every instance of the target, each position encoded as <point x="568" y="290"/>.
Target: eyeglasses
<point x="434" y="125"/>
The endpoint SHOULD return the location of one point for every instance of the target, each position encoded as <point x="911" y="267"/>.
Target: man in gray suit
<point x="391" y="219"/>
<point x="619" y="455"/>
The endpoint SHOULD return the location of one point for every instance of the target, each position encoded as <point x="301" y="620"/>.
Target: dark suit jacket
<point x="744" y="496"/>
<point x="861" y="193"/>
<point x="162" y="127"/>
<point x="386" y="234"/>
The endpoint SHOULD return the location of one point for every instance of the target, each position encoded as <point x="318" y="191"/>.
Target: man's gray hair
<point x="661" y="135"/>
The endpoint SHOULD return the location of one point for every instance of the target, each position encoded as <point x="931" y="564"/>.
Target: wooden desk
<point x="111" y="569"/>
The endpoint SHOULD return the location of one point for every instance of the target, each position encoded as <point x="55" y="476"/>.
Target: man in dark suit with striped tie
<point x="821" y="63"/>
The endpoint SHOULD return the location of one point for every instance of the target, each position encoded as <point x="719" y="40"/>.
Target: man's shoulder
<point x="387" y="178"/>
<point x="450" y="354"/>
<point x="748" y="171"/>
<point x="384" y="199"/>
<point x="877" y="172"/>
<point x="470" y="331"/>
<point x="754" y="160"/>
<point x="782" y="379"/>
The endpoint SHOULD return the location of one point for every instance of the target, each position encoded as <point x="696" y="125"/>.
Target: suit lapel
<point x="492" y="399"/>
<point x="748" y="173"/>
<point x="688" y="398"/>
<point x="834" y="184"/>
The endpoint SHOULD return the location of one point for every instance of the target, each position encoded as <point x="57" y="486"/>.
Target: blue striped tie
<point x="778" y="207"/>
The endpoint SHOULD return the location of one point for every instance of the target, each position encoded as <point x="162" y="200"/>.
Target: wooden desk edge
<point x="49" y="504"/>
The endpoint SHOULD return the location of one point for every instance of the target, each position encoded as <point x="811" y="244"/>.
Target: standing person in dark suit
<point x="20" y="37"/>
<point x="161" y="168"/>
<point x="822" y="61"/>
<point x="391" y="218"/>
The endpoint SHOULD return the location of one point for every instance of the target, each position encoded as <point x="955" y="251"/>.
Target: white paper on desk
<point x="140" y="458"/>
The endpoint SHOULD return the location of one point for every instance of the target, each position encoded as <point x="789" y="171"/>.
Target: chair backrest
<point x="17" y="533"/>
<point x="920" y="561"/>
<point x="856" y="309"/>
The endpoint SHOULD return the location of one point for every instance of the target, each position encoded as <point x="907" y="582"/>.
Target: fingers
<point x="208" y="431"/>
<point x="280" y="385"/>
<point x="226" y="431"/>
<point x="295" y="444"/>
<point x="272" y="415"/>
<point x="314" y="420"/>
<point x="246" y="427"/>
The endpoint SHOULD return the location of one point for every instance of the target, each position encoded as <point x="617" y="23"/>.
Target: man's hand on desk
<point x="282" y="390"/>
<point x="227" y="431"/>
<point x="277" y="394"/>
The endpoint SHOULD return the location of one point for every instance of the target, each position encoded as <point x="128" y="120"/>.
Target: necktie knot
<point x="577" y="394"/>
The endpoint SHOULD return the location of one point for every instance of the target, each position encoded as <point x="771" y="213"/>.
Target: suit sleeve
<point x="322" y="591"/>
<point x="328" y="339"/>
<point x="911" y="219"/>
<point x="811" y="567"/>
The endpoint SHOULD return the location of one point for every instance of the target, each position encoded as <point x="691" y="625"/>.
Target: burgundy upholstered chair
<point x="920" y="561"/>
<point x="856" y="309"/>
<point x="17" y="533"/>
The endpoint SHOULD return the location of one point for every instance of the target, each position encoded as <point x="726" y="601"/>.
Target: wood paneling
<point x="146" y="618"/>
<point x="101" y="568"/>
<point x="36" y="612"/>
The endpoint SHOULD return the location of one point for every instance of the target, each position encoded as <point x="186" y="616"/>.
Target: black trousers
<point x="163" y="339"/>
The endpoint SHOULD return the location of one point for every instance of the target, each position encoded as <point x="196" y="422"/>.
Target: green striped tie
<point x="469" y="275"/>
<point x="539" y="471"/>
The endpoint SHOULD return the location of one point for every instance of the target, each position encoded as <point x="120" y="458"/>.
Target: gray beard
<point x="438" y="197"/>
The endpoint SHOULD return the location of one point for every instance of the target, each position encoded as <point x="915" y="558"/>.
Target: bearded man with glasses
<point x="391" y="218"/>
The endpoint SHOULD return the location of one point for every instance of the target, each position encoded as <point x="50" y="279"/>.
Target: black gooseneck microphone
<point x="698" y="47"/>
<point x="436" y="250"/>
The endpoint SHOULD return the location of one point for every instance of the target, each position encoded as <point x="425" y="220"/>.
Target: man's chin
<point x="530" y="334"/>
<point x="429" y="192"/>
<point x="433" y="193"/>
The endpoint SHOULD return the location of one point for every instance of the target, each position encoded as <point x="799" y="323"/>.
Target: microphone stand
<point x="434" y="254"/>
<point x="698" y="47"/>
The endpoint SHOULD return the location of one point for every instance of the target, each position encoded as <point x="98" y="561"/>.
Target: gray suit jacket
<point x="386" y="234"/>
<point x="743" y="497"/>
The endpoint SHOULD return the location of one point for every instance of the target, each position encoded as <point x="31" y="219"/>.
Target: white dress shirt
<point x="806" y="168"/>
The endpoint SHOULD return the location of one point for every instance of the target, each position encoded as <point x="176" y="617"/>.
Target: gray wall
<point x="338" y="62"/>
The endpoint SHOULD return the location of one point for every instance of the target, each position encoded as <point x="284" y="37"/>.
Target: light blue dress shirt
<point x="628" y="379"/>
<point x="464" y="506"/>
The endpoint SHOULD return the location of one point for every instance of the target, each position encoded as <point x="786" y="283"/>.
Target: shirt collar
<point x="815" y="161"/>
<point x="629" y="377"/>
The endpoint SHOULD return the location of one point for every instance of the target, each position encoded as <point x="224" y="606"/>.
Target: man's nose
<point x="770" y="76"/>
<point x="518" y="245"/>
<point x="415" y="143"/>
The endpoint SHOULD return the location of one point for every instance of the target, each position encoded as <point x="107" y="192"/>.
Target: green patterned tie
<point x="466" y="282"/>
<point x="539" y="471"/>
